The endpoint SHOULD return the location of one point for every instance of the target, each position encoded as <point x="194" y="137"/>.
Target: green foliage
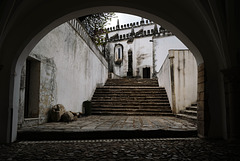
<point x="95" y="25"/>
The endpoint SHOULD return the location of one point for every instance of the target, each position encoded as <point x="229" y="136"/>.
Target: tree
<point x="94" y="25"/>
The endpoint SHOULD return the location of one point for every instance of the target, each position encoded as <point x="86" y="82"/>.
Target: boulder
<point x="56" y="112"/>
<point x="67" y="117"/>
<point x="75" y="114"/>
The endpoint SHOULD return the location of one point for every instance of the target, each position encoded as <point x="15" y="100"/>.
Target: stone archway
<point x="25" y="29"/>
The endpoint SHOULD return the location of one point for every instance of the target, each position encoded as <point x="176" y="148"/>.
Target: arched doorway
<point x="130" y="63"/>
<point x="26" y="29"/>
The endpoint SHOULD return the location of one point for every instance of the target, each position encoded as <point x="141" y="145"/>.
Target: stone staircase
<point x="131" y="96"/>
<point x="190" y="114"/>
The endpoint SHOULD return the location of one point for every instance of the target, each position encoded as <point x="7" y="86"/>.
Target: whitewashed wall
<point x="141" y="55"/>
<point x="71" y="68"/>
<point x="162" y="45"/>
<point x="143" y="49"/>
<point x="79" y="70"/>
<point x="164" y="78"/>
<point x="179" y="76"/>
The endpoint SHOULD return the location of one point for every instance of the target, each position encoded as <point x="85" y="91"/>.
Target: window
<point x="118" y="51"/>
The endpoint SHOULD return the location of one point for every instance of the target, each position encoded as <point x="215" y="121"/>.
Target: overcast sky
<point x="123" y="19"/>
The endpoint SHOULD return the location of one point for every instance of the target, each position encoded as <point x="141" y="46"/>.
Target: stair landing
<point x="110" y="127"/>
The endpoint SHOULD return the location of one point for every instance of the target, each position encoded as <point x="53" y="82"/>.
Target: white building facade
<point x="139" y="49"/>
<point x="147" y="50"/>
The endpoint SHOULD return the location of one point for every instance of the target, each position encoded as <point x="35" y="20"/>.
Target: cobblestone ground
<point x="128" y="149"/>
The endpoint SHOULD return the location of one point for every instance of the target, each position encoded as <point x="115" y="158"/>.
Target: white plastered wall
<point x="179" y="76"/>
<point x="71" y="69"/>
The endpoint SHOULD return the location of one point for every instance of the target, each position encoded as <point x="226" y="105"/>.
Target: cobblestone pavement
<point x="105" y="123"/>
<point x="122" y="149"/>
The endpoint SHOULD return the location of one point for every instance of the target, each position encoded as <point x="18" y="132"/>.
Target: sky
<point x="123" y="19"/>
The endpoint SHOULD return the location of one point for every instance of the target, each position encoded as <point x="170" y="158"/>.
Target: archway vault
<point x="31" y="20"/>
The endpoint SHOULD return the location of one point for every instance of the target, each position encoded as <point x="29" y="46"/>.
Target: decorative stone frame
<point x="118" y="54"/>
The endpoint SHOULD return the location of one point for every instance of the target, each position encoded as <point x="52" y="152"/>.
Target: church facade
<point x="139" y="49"/>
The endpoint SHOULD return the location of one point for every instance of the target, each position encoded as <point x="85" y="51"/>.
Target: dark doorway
<point x="31" y="107"/>
<point x="130" y="69"/>
<point x="146" y="72"/>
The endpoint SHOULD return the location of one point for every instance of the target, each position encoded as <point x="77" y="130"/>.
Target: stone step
<point x="129" y="98"/>
<point x="155" y="101"/>
<point x="192" y="108"/>
<point x="129" y="91"/>
<point x="130" y="104"/>
<point x="129" y="95"/>
<point x="132" y="107"/>
<point x="124" y="82"/>
<point x="190" y="118"/>
<point x="189" y="112"/>
<point x="103" y="101"/>
<point x="132" y="89"/>
<point x="131" y="110"/>
<point x="136" y="95"/>
<point x="133" y="80"/>
<point x="133" y="113"/>
<point x="144" y="105"/>
<point x="132" y="84"/>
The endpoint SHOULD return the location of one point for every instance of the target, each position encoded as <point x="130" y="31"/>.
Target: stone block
<point x="200" y="74"/>
<point x="200" y="115"/>
<point x="200" y="106"/>
<point x="201" y="80"/>
<point x="200" y="96"/>
<point x="201" y="67"/>
<point x="56" y="112"/>
<point x="67" y="117"/>
<point x="201" y="87"/>
<point x="201" y="129"/>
